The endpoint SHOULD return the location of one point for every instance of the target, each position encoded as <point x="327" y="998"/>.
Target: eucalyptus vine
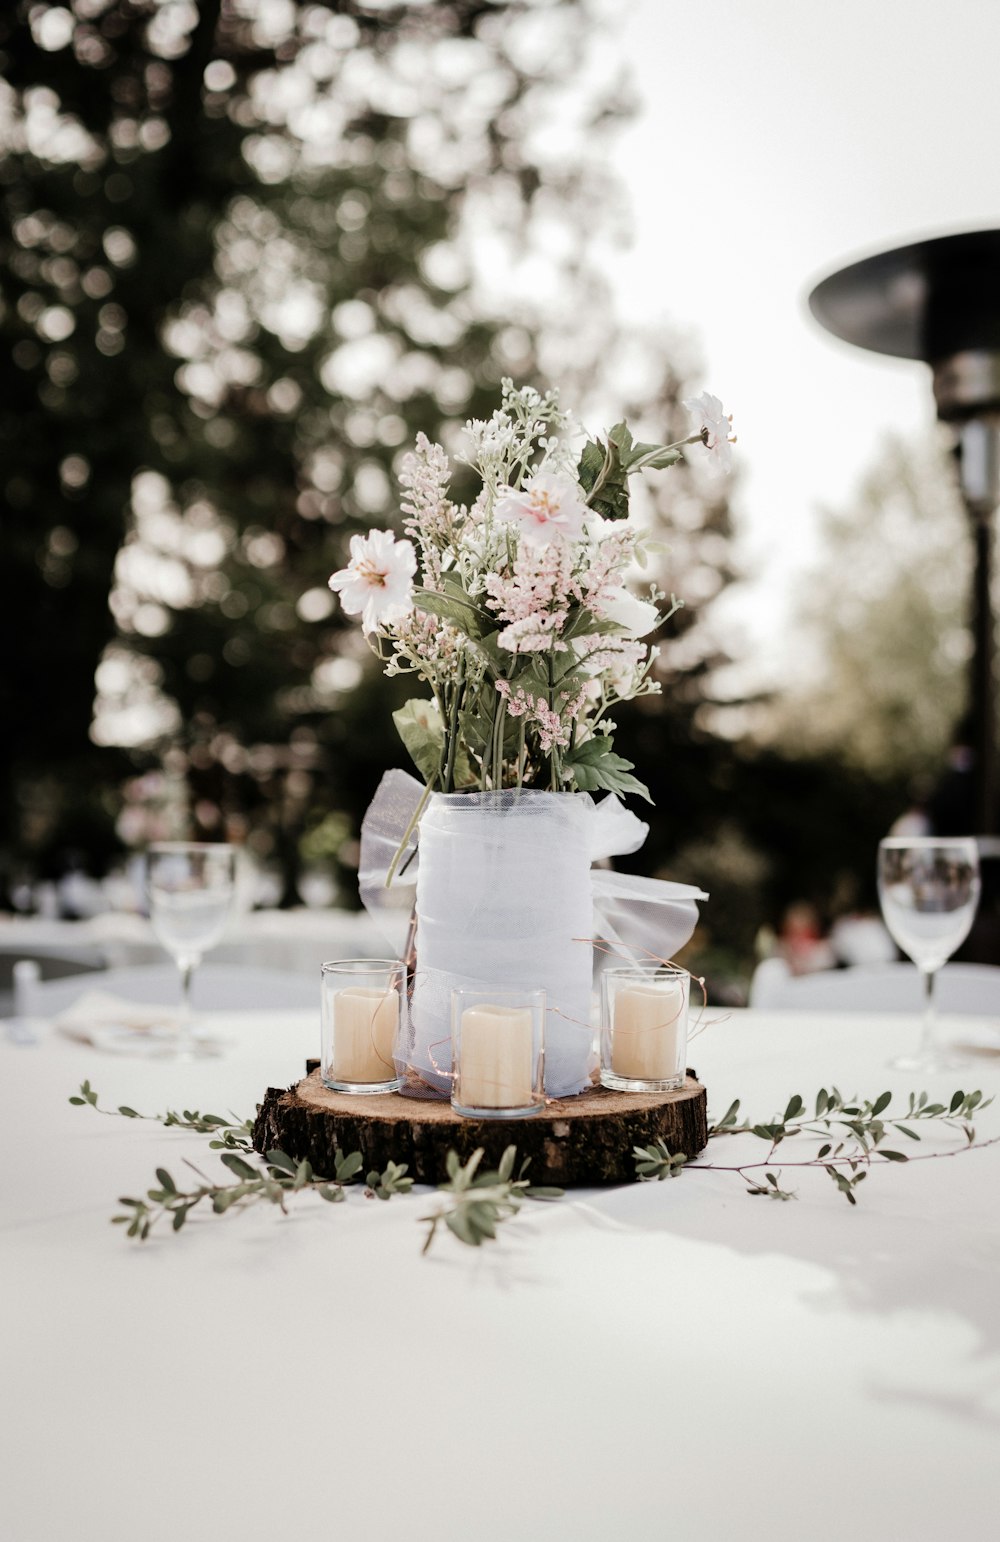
<point x="852" y="1135"/>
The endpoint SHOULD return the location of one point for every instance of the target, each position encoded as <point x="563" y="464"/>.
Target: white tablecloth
<point x="671" y="1360"/>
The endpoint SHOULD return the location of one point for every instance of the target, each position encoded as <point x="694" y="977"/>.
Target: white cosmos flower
<point x="712" y="421"/>
<point x="627" y="610"/>
<point x="549" y="507"/>
<point x="377" y="583"/>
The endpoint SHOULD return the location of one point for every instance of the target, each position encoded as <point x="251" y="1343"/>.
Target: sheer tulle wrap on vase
<point x="505" y="895"/>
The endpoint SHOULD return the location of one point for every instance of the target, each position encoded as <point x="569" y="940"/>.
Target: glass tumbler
<point x="362" y="1005"/>
<point x="644" y="1020"/>
<point x="497" y="1053"/>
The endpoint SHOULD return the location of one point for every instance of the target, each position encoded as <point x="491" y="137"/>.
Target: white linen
<point x="654" y="1361"/>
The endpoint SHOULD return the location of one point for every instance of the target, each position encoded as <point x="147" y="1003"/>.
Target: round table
<point x="659" y="1360"/>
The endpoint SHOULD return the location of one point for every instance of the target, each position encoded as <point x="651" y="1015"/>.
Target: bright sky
<point x="777" y="140"/>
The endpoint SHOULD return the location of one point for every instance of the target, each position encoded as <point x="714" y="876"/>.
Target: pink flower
<point x="377" y="583"/>
<point x="714" y="425"/>
<point x="537" y="713"/>
<point x="534" y="634"/>
<point x="548" y="508"/>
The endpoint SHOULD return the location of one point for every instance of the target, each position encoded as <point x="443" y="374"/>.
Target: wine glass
<point x="191" y="887"/>
<point x="928" y="888"/>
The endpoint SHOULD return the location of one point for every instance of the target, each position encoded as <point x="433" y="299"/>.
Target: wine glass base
<point x="146" y="1044"/>
<point x="930" y="1061"/>
<point x="161" y="1043"/>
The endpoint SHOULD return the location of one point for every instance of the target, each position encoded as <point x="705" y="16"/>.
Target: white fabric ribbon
<point x="642" y="918"/>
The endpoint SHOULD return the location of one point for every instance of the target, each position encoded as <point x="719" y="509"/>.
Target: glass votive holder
<point x="362" y="1006"/>
<point x="497" y="1053"/>
<point x="644" y="1016"/>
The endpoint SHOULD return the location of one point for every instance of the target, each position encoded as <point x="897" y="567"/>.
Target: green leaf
<point x="892" y="1156"/>
<point x="80" y="1102"/>
<point x="603" y="477"/>
<point x="454" y="605"/>
<point x="126" y="1113"/>
<point x="458" y="1222"/>
<point x="281" y="1160"/>
<point x="165" y="1180"/>
<point x="589" y="465"/>
<point x="795" y="1107"/>
<point x="904" y="1131"/>
<point x="655" y="457"/>
<point x="881" y="1102"/>
<point x="729" y="1117"/>
<point x="238" y="1166"/>
<point x="958" y="1098"/>
<point x="348" y="1167"/>
<point x="583" y="623"/>
<point x="419" y="725"/>
<point x="596" y="768"/>
<point x="506" y="1167"/>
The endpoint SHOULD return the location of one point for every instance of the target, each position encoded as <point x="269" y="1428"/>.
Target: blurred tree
<point x="881" y="634"/>
<point x="249" y="248"/>
<point x="236" y="275"/>
<point x="876" y="664"/>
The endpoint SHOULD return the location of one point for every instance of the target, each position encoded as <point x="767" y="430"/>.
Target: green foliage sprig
<point x="478" y="1202"/>
<point x="852" y="1133"/>
<point x="232" y="1133"/>
<point x="281" y="1176"/>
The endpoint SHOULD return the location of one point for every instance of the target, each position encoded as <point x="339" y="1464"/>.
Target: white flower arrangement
<point x="520" y="622"/>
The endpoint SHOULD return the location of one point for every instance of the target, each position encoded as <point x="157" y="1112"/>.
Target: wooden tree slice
<point x="582" y="1140"/>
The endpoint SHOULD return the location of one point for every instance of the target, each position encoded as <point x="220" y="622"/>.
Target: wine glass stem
<point x="185" y="1029"/>
<point x="927" y="1043"/>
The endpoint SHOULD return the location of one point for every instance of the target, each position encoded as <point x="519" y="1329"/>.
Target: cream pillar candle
<point x="365" y="1019"/>
<point x="496" y="1057"/>
<point x="649" y="1030"/>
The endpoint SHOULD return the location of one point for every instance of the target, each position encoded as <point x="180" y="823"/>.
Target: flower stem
<point x="417" y="812"/>
<point x="498" y="729"/>
<point x="553" y="754"/>
<point x="448" y="782"/>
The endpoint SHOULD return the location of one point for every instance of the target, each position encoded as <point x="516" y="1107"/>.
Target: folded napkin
<point x="97" y="1013"/>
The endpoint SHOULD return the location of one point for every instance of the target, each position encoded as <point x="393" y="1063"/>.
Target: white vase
<point x="504" y="899"/>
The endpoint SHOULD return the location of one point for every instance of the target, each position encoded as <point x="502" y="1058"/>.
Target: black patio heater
<point x="939" y="300"/>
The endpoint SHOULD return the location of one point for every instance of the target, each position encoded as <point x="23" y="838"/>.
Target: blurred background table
<point x="652" y="1360"/>
<point x="295" y="941"/>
